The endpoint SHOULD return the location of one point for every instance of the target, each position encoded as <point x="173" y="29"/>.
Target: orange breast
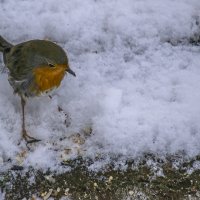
<point x="47" y="78"/>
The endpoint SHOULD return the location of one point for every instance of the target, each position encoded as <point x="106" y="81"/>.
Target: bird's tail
<point x="4" y="44"/>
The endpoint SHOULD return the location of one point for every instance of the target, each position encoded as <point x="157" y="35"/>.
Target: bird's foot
<point x="28" y="138"/>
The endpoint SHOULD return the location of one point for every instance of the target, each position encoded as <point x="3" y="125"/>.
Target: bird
<point x="35" y="68"/>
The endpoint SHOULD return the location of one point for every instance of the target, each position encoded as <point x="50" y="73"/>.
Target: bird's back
<point x="24" y="57"/>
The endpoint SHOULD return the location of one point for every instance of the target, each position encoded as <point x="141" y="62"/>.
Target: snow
<point x="2" y="196"/>
<point x="137" y="84"/>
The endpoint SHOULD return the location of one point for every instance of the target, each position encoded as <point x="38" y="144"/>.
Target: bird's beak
<point x="71" y="72"/>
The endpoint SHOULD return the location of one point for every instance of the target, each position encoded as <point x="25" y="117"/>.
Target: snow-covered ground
<point x="137" y="91"/>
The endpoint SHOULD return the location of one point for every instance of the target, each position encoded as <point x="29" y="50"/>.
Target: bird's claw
<point x="28" y="138"/>
<point x="32" y="141"/>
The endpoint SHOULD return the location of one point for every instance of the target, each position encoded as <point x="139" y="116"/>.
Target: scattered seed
<point x="48" y="194"/>
<point x="131" y="192"/>
<point x="110" y="179"/>
<point x="66" y="191"/>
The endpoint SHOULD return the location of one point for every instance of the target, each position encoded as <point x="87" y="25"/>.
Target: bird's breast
<point x="47" y="78"/>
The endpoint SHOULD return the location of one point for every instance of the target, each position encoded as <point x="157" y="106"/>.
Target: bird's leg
<point x="23" y="103"/>
<point x="28" y="138"/>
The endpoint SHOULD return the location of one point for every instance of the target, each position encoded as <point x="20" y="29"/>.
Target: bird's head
<point x="49" y="53"/>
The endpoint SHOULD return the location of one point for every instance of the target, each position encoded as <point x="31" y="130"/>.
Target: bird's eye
<point x="51" y="65"/>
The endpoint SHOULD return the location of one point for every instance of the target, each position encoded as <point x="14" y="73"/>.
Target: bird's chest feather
<point x="46" y="78"/>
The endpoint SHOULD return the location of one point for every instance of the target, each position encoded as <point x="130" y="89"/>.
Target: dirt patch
<point x="139" y="182"/>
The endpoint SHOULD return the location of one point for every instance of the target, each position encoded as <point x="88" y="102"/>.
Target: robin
<point x="35" y="67"/>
